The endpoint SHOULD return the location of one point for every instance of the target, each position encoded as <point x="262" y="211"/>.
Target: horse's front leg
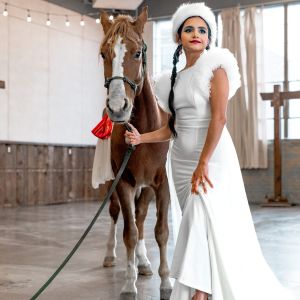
<point x="162" y="235"/>
<point x="130" y="233"/>
<point x="114" y="210"/>
<point x="142" y="204"/>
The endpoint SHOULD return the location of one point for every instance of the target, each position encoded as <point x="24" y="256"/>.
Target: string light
<point x="67" y="21"/>
<point x="82" y="21"/>
<point x="5" y="12"/>
<point x="111" y="17"/>
<point x="48" y="22"/>
<point x="28" y="16"/>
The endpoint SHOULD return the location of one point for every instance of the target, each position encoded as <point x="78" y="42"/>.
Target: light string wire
<point x="48" y="14"/>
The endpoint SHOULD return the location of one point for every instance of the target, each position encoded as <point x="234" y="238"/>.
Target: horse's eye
<point x="137" y="54"/>
<point x="102" y="55"/>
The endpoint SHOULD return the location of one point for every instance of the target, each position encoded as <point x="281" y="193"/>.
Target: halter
<point x="133" y="84"/>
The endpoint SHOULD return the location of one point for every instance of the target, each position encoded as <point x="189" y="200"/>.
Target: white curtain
<point x="245" y="111"/>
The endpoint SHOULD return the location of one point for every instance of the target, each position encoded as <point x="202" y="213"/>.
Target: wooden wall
<point x="259" y="183"/>
<point x="45" y="174"/>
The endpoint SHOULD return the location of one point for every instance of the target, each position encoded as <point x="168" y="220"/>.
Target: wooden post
<point x="2" y="84"/>
<point x="277" y="99"/>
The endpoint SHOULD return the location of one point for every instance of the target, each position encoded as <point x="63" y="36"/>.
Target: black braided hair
<point x="171" y="94"/>
<point x="174" y="75"/>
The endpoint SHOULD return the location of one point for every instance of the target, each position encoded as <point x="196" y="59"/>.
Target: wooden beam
<point x="290" y="95"/>
<point x="2" y="84"/>
<point x="283" y="95"/>
<point x="277" y="99"/>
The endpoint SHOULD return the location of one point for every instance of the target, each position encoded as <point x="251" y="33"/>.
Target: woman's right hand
<point x="134" y="137"/>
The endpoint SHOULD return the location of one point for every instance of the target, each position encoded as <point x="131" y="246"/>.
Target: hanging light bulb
<point x="48" y="22"/>
<point x="97" y="20"/>
<point x="28" y="16"/>
<point x="5" y="12"/>
<point x="67" y="21"/>
<point x="111" y="17"/>
<point x="82" y="21"/>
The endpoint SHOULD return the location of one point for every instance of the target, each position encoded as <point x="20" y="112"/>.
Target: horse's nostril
<point x="107" y="105"/>
<point x="126" y="104"/>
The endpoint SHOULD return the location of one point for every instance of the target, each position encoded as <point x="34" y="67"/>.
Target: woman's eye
<point x="202" y="31"/>
<point x="137" y="55"/>
<point x="188" y="30"/>
<point x="102" y="55"/>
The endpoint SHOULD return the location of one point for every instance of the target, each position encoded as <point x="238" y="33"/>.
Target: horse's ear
<point x="141" y="20"/>
<point x="105" y="21"/>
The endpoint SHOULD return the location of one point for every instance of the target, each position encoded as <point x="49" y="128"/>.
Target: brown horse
<point x="130" y="98"/>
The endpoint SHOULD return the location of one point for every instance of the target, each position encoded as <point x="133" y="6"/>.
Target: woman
<point x="217" y="252"/>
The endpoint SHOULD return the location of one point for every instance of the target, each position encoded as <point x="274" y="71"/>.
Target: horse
<point x="130" y="98"/>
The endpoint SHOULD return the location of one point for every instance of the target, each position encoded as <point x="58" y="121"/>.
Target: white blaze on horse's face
<point x="119" y="107"/>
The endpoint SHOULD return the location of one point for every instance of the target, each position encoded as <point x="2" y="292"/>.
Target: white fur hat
<point x="187" y="10"/>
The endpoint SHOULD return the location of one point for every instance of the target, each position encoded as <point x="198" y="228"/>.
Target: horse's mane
<point x="122" y="26"/>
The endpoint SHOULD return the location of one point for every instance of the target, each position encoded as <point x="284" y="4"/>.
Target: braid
<point x="174" y="75"/>
<point x="171" y="95"/>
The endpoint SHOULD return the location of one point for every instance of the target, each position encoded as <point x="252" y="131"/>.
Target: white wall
<point x="54" y="81"/>
<point x="148" y="38"/>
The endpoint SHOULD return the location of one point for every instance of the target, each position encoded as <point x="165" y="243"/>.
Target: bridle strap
<point x="133" y="84"/>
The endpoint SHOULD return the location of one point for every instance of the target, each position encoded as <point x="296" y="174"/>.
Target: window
<point x="164" y="48"/>
<point x="293" y="69"/>
<point x="273" y="59"/>
<point x="274" y="65"/>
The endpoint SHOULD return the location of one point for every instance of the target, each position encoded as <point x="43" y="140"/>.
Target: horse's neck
<point x="146" y="113"/>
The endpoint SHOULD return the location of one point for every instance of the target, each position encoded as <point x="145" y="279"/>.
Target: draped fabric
<point x="102" y="170"/>
<point x="240" y="35"/>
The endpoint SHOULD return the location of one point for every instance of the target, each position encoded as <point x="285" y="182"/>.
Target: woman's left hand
<point x="200" y="176"/>
<point x="134" y="137"/>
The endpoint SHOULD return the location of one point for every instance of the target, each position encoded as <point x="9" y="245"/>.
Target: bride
<point x="217" y="253"/>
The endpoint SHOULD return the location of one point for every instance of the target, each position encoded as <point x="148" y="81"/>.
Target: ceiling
<point x="92" y="7"/>
<point x="157" y="9"/>
<point x="117" y="4"/>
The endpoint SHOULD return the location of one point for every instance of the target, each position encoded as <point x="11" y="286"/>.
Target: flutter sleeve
<point x="162" y="86"/>
<point x="220" y="58"/>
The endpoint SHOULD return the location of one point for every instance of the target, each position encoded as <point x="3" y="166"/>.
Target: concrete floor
<point x="35" y="240"/>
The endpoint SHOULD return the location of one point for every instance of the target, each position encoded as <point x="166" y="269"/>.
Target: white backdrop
<point x="54" y="81"/>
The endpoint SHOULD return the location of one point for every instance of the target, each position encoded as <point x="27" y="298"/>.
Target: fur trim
<point x="210" y="61"/>
<point x="202" y="73"/>
<point x="187" y="10"/>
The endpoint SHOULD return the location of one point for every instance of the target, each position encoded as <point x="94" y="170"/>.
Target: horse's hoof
<point x="109" y="261"/>
<point x="145" y="270"/>
<point x="128" y="296"/>
<point x="165" y="288"/>
<point x="165" y="293"/>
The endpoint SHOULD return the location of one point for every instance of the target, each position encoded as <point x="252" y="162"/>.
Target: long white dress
<point x="217" y="250"/>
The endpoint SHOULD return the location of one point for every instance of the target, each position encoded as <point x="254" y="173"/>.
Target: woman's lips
<point x="195" y="42"/>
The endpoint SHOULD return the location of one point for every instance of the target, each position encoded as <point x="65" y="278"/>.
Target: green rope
<point x="107" y="197"/>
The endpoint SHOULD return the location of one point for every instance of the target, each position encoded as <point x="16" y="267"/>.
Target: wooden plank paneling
<point x="45" y="174"/>
<point x="21" y="190"/>
<point x="2" y="187"/>
<point x="8" y="156"/>
<point x="10" y="199"/>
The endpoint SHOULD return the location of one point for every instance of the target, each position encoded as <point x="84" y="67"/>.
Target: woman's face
<point x="194" y="35"/>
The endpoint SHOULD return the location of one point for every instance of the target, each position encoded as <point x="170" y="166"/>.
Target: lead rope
<point x="127" y="155"/>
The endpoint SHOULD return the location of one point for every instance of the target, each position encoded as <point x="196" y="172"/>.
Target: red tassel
<point x="104" y="129"/>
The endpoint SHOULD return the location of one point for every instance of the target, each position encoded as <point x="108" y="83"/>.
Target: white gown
<point x="217" y="250"/>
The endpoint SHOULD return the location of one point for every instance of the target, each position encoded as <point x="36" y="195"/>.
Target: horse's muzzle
<point x="117" y="113"/>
